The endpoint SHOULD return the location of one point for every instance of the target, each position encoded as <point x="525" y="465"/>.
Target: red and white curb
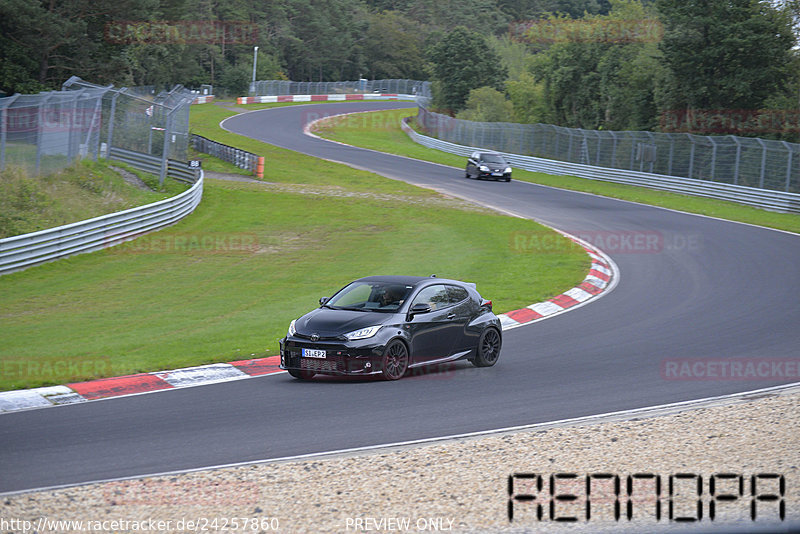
<point x="318" y="98"/>
<point x="11" y="401"/>
<point x="602" y="278"/>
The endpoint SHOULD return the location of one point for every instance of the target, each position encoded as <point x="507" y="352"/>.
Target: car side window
<point x="435" y="296"/>
<point x="456" y="294"/>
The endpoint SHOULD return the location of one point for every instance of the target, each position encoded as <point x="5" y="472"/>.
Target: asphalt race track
<point x="711" y="289"/>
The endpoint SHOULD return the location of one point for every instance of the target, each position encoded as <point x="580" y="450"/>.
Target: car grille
<point x="319" y="365"/>
<point x="331" y="363"/>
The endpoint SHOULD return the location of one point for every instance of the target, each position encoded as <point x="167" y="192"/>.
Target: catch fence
<point x="739" y="161"/>
<point x="46" y="132"/>
<point x="393" y="86"/>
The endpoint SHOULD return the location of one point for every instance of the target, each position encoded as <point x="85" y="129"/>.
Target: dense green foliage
<point x="648" y="65"/>
<point x="595" y="64"/>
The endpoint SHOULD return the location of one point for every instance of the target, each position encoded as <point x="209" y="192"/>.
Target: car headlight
<point x="292" y="331"/>
<point x="363" y="333"/>
<point x="508" y="170"/>
<point x="484" y="168"/>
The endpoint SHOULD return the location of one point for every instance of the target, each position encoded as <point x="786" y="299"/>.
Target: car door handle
<point x="451" y="315"/>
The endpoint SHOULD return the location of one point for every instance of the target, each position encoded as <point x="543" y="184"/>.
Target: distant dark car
<point x="386" y="325"/>
<point x="488" y="165"/>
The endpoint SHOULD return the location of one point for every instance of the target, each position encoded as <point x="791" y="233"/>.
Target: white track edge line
<point x="622" y="415"/>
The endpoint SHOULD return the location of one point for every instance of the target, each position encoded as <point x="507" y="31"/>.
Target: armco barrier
<point x="761" y="198"/>
<point x="178" y="170"/>
<point x="241" y="158"/>
<point x="23" y="251"/>
<point x="321" y="98"/>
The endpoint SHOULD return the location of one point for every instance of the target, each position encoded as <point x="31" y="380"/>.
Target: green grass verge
<point x="81" y="191"/>
<point x="224" y="283"/>
<point x="381" y="131"/>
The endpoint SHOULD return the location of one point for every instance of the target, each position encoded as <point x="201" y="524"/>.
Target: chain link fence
<point x="747" y="161"/>
<point x="283" y="87"/>
<point x="46" y="132"/>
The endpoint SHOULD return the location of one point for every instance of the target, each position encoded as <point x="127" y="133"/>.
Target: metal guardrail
<point x="178" y="170"/>
<point x="761" y="198"/>
<point x="241" y="158"/>
<point x="285" y="87"/>
<point x="23" y="251"/>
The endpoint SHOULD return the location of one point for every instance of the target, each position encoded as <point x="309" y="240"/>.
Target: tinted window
<point x="490" y="158"/>
<point x="457" y="294"/>
<point x="436" y="297"/>
<point x="371" y="296"/>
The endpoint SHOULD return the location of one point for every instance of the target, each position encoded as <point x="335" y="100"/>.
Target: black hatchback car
<point x="488" y="165"/>
<point x="386" y="325"/>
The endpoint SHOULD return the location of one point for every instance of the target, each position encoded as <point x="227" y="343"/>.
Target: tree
<point x="724" y="54"/>
<point x="527" y="97"/>
<point x="487" y="104"/>
<point x="462" y="61"/>
<point x="392" y="48"/>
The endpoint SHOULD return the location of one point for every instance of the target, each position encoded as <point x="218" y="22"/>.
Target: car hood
<point x="331" y="323"/>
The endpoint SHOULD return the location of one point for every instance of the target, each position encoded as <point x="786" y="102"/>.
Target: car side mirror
<point x="323" y="300"/>
<point x="416" y="309"/>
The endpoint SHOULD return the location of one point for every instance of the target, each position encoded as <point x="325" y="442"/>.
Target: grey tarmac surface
<point x="713" y="290"/>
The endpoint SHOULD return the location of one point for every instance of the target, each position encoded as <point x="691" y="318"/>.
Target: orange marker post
<point x="260" y="167"/>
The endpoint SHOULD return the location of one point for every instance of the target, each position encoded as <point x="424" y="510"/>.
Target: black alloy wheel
<point x="395" y="360"/>
<point x="488" y="348"/>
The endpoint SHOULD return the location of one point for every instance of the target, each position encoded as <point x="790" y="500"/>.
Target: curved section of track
<point x="712" y="289"/>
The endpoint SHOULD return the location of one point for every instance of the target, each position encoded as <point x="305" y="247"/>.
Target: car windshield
<point x="371" y="296"/>
<point x="491" y="158"/>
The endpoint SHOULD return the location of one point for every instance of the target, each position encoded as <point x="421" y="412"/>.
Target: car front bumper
<point x="494" y="176"/>
<point x="354" y="358"/>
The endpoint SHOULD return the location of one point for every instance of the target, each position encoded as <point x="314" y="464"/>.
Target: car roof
<point x="413" y="280"/>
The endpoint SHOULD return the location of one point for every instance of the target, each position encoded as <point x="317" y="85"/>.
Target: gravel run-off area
<point x="462" y="485"/>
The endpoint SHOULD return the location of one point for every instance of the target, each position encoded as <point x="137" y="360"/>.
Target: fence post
<point x="40" y="121"/>
<point x="111" y="118"/>
<point x="5" y="105"/>
<point x="738" y="160"/>
<point x="613" y="149"/>
<point x="789" y="154"/>
<point x="763" y="162"/>
<point x="713" y="156"/>
<point x="671" y="152"/>
<point x="165" y="152"/>
<point x="691" y="156"/>
<point x="70" y="128"/>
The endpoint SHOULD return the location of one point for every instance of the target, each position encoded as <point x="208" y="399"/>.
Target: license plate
<point x="497" y="174"/>
<point x="313" y="353"/>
